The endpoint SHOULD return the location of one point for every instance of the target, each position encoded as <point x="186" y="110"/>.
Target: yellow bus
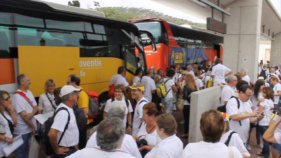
<point x="46" y="40"/>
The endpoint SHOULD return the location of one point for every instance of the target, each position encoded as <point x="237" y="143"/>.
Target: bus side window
<point x="5" y="41"/>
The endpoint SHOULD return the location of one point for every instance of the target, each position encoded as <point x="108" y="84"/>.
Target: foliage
<point x="74" y="3"/>
<point x="123" y="14"/>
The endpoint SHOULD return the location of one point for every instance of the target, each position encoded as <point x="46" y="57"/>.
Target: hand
<point x="129" y="130"/>
<point x="62" y="150"/>
<point x="36" y="109"/>
<point x="254" y="114"/>
<point x="9" y="140"/>
<point x="145" y="147"/>
<point x="33" y="131"/>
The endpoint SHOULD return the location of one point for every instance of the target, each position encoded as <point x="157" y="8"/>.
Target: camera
<point x="141" y="142"/>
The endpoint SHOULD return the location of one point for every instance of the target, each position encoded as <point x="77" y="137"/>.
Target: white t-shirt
<point x="4" y="129"/>
<point x="232" y="109"/>
<point x="98" y="153"/>
<point x="276" y="88"/>
<point x="226" y="93"/>
<point x="138" y="115"/>
<point x="128" y="109"/>
<point x="129" y="144"/>
<point x="151" y="138"/>
<point x="169" y="84"/>
<point x="136" y="80"/>
<point x="46" y="104"/>
<point x="209" y="150"/>
<point x="267" y="104"/>
<point x="21" y="105"/>
<point x="247" y="79"/>
<point x="149" y="86"/>
<point x="219" y="71"/>
<point x="71" y="135"/>
<point x="171" y="147"/>
<point x="199" y="83"/>
<point x="119" y="79"/>
<point x="235" y="141"/>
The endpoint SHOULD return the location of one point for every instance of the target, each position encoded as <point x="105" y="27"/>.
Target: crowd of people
<point x="137" y="119"/>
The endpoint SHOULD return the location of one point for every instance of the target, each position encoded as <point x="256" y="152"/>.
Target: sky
<point x="147" y="4"/>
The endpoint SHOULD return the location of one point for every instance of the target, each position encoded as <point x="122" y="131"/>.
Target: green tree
<point x="74" y="3"/>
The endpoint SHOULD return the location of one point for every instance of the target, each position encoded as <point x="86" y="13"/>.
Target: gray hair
<point x="65" y="97"/>
<point x="20" y="78"/>
<point x="230" y="78"/>
<point x="116" y="112"/>
<point x="244" y="70"/>
<point x="110" y="133"/>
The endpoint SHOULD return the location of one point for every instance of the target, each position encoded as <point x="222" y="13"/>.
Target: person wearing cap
<point x="137" y="94"/>
<point x="274" y="80"/>
<point x="25" y="108"/>
<point x="231" y="138"/>
<point x="83" y="101"/>
<point x="65" y="120"/>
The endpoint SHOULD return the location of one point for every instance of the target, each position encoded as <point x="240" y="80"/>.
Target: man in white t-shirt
<point x="129" y="143"/>
<point x="64" y="133"/>
<point x="229" y="89"/>
<point x="244" y="76"/>
<point x="240" y="112"/>
<point x="274" y="80"/>
<point x="109" y="137"/>
<point x="170" y="89"/>
<point x="219" y="72"/>
<point x="212" y="127"/>
<point x="120" y="78"/>
<point x="149" y="85"/>
<point x="137" y="94"/>
<point x="198" y="81"/>
<point x="25" y="108"/>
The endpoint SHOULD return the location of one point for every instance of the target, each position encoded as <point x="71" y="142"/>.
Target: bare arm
<point x="242" y="116"/>
<point x="269" y="133"/>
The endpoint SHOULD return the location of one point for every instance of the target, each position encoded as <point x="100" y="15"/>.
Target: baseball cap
<point x="67" y="89"/>
<point x="137" y="86"/>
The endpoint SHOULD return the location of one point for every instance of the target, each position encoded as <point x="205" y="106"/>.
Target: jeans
<point x="186" y="115"/>
<point x="277" y="147"/>
<point x="265" y="149"/>
<point x="23" y="150"/>
<point x="169" y="104"/>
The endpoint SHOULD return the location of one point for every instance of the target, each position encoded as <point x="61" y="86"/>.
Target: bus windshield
<point x="153" y="27"/>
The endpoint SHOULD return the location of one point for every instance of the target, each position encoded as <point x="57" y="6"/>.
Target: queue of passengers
<point x="138" y="119"/>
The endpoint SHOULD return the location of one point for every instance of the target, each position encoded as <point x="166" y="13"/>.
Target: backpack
<point x="223" y="107"/>
<point x="81" y="124"/>
<point x="229" y="138"/>
<point x="162" y="89"/>
<point x="93" y="107"/>
<point x="46" y="128"/>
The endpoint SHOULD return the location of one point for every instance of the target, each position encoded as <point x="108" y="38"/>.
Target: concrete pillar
<point x="201" y="101"/>
<point x="241" y="43"/>
<point x="275" y="54"/>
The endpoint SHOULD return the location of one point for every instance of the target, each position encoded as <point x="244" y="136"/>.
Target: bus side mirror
<point x="147" y="39"/>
